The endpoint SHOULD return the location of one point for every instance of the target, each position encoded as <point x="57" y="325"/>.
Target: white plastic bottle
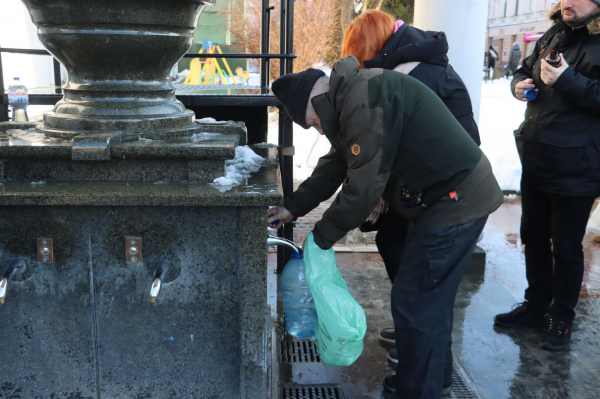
<point x="18" y="99"/>
<point x="298" y="304"/>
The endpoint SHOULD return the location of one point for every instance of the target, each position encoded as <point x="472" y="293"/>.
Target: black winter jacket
<point x="410" y="44"/>
<point x="515" y="57"/>
<point x="561" y="132"/>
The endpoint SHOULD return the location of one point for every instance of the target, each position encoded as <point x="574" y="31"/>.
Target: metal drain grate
<point x="461" y="389"/>
<point x="298" y="352"/>
<point x="313" y="392"/>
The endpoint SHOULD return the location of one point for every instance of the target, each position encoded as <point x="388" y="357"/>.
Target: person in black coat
<point x="423" y="56"/>
<point x="559" y="145"/>
<point x="513" y="61"/>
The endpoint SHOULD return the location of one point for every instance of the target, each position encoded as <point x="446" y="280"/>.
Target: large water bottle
<point x="298" y="304"/>
<point x="18" y="99"/>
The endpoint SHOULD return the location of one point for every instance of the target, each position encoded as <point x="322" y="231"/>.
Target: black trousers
<point x="552" y="229"/>
<point x="390" y="240"/>
<point x="423" y="297"/>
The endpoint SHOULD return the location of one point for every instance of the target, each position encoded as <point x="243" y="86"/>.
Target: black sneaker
<point x="521" y="315"/>
<point x="389" y="384"/>
<point x="556" y="335"/>
<point x="393" y="356"/>
<point x="388" y="336"/>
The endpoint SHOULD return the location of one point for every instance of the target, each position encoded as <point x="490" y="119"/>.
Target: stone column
<point x="464" y="22"/>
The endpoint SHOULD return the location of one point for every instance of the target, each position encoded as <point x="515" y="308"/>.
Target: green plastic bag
<point x="342" y="322"/>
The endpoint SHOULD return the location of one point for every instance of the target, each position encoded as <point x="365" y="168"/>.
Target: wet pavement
<point x="500" y="363"/>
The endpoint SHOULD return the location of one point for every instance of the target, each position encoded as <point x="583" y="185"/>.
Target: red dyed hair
<point x="365" y="37"/>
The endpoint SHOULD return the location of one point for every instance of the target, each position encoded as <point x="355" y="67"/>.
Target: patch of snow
<point x="183" y="74"/>
<point x="210" y="120"/>
<point x="500" y="115"/>
<point x="38" y="183"/>
<point x="204" y="136"/>
<point x="594" y="222"/>
<point x="239" y="168"/>
<point x="144" y="139"/>
<point x="264" y="145"/>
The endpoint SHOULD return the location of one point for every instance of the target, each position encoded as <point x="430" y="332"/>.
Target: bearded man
<point x="559" y="144"/>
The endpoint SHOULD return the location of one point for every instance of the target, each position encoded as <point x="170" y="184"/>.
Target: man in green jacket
<point x="395" y="142"/>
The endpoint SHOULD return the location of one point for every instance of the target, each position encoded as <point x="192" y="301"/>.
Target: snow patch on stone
<point x="239" y="168"/>
<point x="204" y="136"/>
<point x="210" y="120"/>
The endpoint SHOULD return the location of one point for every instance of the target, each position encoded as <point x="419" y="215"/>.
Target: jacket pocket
<point x="565" y="139"/>
<point x="562" y="155"/>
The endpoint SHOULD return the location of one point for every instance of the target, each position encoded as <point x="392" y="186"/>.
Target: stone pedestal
<point x="84" y="326"/>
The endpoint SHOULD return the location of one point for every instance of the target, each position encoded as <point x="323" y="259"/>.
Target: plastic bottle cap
<point x="530" y="94"/>
<point x="17" y="78"/>
<point x="297" y="255"/>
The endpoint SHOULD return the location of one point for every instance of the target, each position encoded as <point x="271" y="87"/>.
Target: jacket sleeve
<point x="363" y="185"/>
<point x="327" y="177"/>
<point x="580" y="90"/>
<point x="453" y="92"/>
<point x="526" y="70"/>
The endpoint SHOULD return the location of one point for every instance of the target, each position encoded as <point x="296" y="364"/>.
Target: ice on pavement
<point x="239" y="168"/>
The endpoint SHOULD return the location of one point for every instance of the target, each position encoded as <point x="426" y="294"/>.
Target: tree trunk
<point x="346" y="13"/>
<point x="377" y="4"/>
<point x="365" y="6"/>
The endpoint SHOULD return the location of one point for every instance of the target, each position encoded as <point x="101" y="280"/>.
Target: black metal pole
<point x="3" y="97"/>
<point x="57" y="79"/>
<point x="288" y="131"/>
<point x="264" y="45"/>
<point x="281" y="252"/>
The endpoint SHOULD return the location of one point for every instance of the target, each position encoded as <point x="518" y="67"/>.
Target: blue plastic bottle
<point x="298" y="304"/>
<point x="530" y="94"/>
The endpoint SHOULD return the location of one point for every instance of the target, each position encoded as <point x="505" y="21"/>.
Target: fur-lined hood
<point x="593" y="26"/>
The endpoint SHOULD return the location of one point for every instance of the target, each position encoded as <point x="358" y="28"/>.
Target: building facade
<point x="520" y="21"/>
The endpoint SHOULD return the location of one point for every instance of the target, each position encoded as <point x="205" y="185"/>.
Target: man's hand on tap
<point x="279" y="213"/>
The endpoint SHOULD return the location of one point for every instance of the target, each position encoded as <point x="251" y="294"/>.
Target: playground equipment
<point x="208" y="72"/>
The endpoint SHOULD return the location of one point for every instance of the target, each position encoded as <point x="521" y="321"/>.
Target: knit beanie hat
<point x="293" y="91"/>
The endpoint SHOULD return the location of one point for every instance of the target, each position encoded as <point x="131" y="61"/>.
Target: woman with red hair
<point x="378" y="41"/>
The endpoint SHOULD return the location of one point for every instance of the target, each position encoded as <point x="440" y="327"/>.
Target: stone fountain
<point x="125" y="272"/>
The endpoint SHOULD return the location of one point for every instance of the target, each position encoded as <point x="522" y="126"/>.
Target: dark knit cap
<point x="293" y="91"/>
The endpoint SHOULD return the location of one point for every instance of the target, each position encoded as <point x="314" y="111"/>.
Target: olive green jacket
<point x="384" y="127"/>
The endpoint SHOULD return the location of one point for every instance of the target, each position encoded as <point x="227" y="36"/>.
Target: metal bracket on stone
<point x="287" y="150"/>
<point x="92" y="147"/>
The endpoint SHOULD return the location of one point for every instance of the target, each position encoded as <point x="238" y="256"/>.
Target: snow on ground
<point x="500" y="112"/>
<point x="500" y="115"/>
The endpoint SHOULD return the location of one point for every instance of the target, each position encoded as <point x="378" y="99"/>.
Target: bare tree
<point x="313" y="29"/>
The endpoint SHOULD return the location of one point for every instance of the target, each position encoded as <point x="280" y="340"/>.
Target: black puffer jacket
<point x="410" y="44"/>
<point x="515" y="57"/>
<point x="561" y="132"/>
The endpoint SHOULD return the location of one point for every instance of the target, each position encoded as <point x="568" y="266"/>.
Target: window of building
<point x="505" y="7"/>
<point x="516" y="7"/>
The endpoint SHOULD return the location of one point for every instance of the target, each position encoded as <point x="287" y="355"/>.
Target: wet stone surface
<point x="501" y="363"/>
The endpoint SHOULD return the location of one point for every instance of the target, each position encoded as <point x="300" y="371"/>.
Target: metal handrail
<point x="188" y="55"/>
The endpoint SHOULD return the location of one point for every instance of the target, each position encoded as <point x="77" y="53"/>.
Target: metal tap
<point x="273" y="240"/>
<point x="14" y="267"/>
<point x="161" y="268"/>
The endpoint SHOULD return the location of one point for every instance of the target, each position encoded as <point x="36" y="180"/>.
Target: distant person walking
<point x="492" y="56"/>
<point x="513" y="61"/>
<point x="560" y="153"/>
